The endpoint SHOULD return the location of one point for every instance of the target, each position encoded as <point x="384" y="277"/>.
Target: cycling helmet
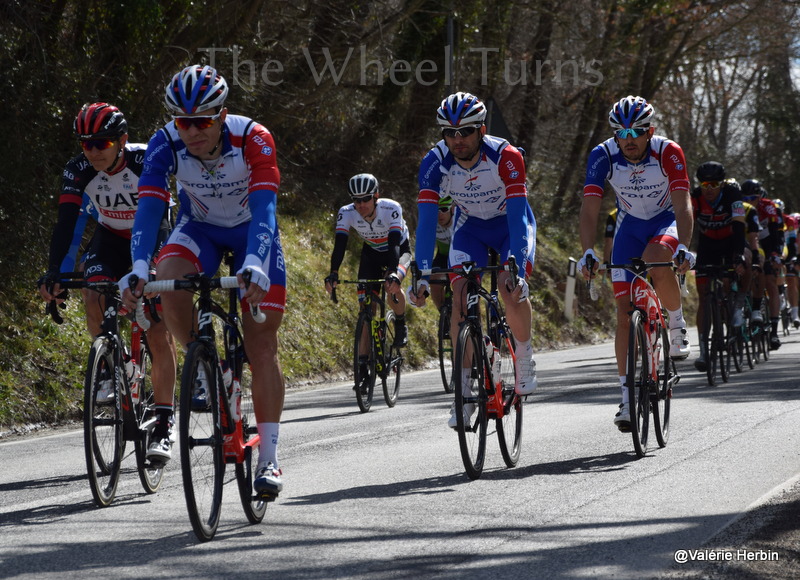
<point x="779" y="204"/>
<point x="195" y="89"/>
<point x="362" y="185"/>
<point x="446" y="202"/>
<point x="98" y="121"/>
<point x="751" y="189"/>
<point x="631" y="113"/>
<point x="711" y="171"/>
<point x="459" y="110"/>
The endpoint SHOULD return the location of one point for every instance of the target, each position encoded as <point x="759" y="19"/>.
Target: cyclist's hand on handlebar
<point x="392" y="280"/>
<point x="331" y="281"/>
<point x="419" y="297"/>
<point x="130" y="296"/>
<point x="688" y="259"/>
<point x="49" y="288"/>
<point x="521" y="291"/>
<point x="255" y="292"/>
<point x="582" y="264"/>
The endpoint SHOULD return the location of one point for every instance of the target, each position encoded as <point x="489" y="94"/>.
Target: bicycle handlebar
<point x="335" y="299"/>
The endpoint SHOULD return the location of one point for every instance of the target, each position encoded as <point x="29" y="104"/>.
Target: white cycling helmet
<point x="362" y="185"/>
<point x="461" y="110"/>
<point x="195" y="89"/>
<point x="631" y="113"/>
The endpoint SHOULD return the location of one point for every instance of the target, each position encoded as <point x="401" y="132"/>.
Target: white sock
<point x="466" y="389"/>
<point x="624" y="388"/>
<point x="525" y="347"/>
<point x="268" y="448"/>
<point x="676" y="318"/>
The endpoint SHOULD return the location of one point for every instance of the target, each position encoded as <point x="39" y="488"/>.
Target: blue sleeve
<point x="146" y="226"/>
<point x="87" y="209"/>
<point x="263" y="227"/>
<point x="521" y="231"/>
<point x="426" y="234"/>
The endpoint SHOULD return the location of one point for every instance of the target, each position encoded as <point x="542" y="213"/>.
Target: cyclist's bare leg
<point x="398" y="307"/>
<point x="621" y="338"/>
<point x="664" y="280"/>
<point x="261" y="345"/>
<point x="164" y="359"/>
<point x="771" y="283"/>
<point x="518" y="314"/>
<point x="437" y="291"/>
<point x="93" y="306"/>
<point x="178" y="315"/>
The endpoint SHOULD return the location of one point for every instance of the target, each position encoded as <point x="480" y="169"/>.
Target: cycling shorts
<point x="473" y="239"/>
<point x="373" y="264"/>
<point x="632" y="237"/>
<point x="205" y="245"/>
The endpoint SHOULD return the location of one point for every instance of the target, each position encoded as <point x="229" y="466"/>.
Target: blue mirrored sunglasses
<point x="624" y="133"/>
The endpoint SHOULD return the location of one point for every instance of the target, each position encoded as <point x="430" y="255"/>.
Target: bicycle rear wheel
<point x="103" y="441"/>
<point x="509" y="426"/>
<point x="470" y="400"/>
<point x="713" y="348"/>
<point x="393" y="360"/>
<point x="638" y="379"/>
<point x="149" y="475"/>
<point x="445" y="347"/>
<point x="661" y="399"/>
<point x="364" y="372"/>
<point x="202" y="463"/>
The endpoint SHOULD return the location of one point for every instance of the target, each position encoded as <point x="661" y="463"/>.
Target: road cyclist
<point x="102" y="181"/>
<point x="227" y="176"/>
<point x="485" y="176"/>
<point x="655" y="226"/>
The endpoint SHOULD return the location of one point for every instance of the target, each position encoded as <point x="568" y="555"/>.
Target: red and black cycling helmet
<point x="100" y="121"/>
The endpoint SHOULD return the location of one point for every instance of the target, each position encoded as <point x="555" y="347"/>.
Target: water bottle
<point x="496" y="361"/>
<point x="236" y="401"/>
<point x="134" y="374"/>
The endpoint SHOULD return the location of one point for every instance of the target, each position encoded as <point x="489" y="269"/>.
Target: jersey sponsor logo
<point x="114" y="201"/>
<point x="154" y="153"/>
<point x="266" y="150"/>
<point x="514" y="174"/>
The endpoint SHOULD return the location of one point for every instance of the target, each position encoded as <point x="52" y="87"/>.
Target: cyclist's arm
<point x="153" y="198"/>
<point x="339" y="249"/>
<point x="518" y="211"/>
<point x="428" y="208"/>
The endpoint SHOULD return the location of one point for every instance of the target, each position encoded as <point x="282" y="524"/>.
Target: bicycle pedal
<point x="155" y="464"/>
<point x="265" y="496"/>
<point x="624" y="427"/>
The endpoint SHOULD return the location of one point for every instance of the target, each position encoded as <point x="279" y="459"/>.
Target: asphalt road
<point x="384" y="495"/>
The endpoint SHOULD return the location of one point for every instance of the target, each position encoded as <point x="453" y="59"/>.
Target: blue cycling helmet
<point x="631" y="113"/>
<point x="195" y="89"/>
<point x="460" y="110"/>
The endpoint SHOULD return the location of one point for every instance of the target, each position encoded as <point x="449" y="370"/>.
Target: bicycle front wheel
<point x="103" y="442"/>
<point x="509" y="426"/>
<point x="149" y="475"/>
<point x="661" y="399"/>
<point x="445" y="348"/>
<point x="713" y="340"/>
<point x="393" y="361"/>
<point x="470" y="400"/>
<point x="202" y="463"/>
<point x="364" y="363"/>
<point x="638" y="379"/>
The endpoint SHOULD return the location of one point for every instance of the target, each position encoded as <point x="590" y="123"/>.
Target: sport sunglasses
<point x="463" y="132"/>
<point x="99" y="144"/>
<point x="204" y="122"/>
<point x="710" y="184"/>
<point x="623" y="133"/>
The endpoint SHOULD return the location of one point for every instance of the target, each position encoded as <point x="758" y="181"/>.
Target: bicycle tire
<point x="746" y="332"/>
<point x="471" y="428"/>
<point x="661" y="400"/>
<point x="509" y="426"/>
<point x="392" y="369"/>
<point x="637" y="379"/>
<point x="202" y="464"/>
<point x="364" y="382"/>
<point x="445" y="342"/>
<point x="150" y="475"/>
<point x="725" y="352"/>
<point x="254" y="506"/>
<point x="712" y="337"/>
<point x="103" y="441"/>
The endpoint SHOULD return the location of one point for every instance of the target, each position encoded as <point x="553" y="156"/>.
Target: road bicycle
<point x="484" y="370"/>
<point x="650" y="372"/>
<point x="721" y="345"/>
<point x="760" y="331"/>
<point x="381" y="359"/>
<point x="224" y="432"/>
<point x="119" y="355"/>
